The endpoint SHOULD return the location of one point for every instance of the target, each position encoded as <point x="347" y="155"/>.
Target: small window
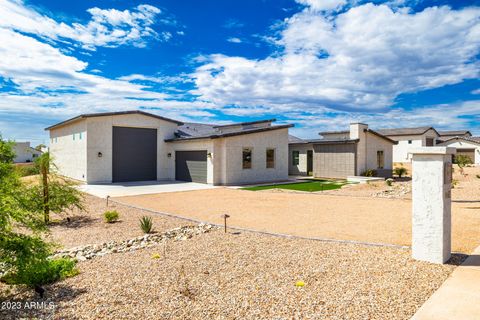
<point x="295" y="158"/>
<point x="429" y="142"/>
<point x="247" y="158"/>
<point x="409" y="141"/>
<point x="73" y="136"/>
<point x="270" y="158"/>
<point x="79" y="136"/>
<point x="380" y="159"/>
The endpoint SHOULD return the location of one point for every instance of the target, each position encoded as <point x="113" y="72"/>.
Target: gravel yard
<point x="89" y="228"/>
<point x="245" y="276"/>
<point x="364" y="219"/>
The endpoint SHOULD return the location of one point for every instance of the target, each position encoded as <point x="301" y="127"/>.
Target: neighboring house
<point x="410" y="137"/>
<point x="25" y="153"/>
<point x="445" y="135"/>
<point x="465" y="145"/>
<point x="342" y="153"/>
<point x="140" y="146"/>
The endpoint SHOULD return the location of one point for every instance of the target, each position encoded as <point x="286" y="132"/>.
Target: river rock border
<point x="87" y="252"/>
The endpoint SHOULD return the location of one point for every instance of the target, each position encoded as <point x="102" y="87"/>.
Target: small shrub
<point x="389" y="182"/>
<point x="478" y="176"/>
<point x="454" y="183"/>
<point x="369" y="173"/>
<point x="400" y="171"/>
<point x="146" y="224"/>
<point x="27" y="170"/>
<point x="111" y="216"/>
<point x="40" y="272"/>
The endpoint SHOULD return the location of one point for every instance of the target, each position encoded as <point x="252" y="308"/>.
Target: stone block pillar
<point x="431" y="203"/>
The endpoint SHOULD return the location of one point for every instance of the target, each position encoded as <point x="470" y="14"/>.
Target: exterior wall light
<point x="100" y="154"/>
<point x="209" y="155"/>
<point x="169" y="154"/>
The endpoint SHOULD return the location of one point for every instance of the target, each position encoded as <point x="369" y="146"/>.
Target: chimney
<point x="357" y="129"/>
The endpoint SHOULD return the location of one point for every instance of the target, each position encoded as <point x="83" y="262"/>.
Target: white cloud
<point x="234" y="40"/>
<point x="323" y="5"/>
<point x="476" y="91"/>
<point x="361" y="59"/>
<point x="107" y="27"/>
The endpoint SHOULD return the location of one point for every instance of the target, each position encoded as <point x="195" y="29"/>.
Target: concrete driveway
<point x="141" y="187"/>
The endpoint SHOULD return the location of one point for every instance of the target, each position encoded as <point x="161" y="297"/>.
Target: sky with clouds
<point x="319" y="64"/>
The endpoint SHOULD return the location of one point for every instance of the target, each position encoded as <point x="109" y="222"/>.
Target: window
<point x="270" y="158"/>
<point x="380" y="159"/>
<point x="74" y="136"/>
<point x="79" y="136"/>
<point x="429" y="142"/>
<point x="295" y="158"/>
<point x="409" y="141"/>
<point x="247" y="158"/>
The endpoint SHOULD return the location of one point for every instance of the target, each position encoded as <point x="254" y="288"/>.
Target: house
<point x="342" y="153"/>
<point x="445" y="135"/>
<point x="140" y="146"/>
<point x="465" y="145"/>
<point x="410" y="137"/>
<point x="24" y="152"/>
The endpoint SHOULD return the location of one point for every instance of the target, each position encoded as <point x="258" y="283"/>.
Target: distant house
<point x="342" y="153"/>
<point x="140" y="146"/>
<point x="25" y="153"/>
<point x="445" y="135"/>
<point x="410" y="137"/>
<point x="465" y="145"/>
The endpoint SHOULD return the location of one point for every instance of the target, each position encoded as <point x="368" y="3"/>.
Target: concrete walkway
<point x="139" y="188"/>
<point x="459" y="295"/>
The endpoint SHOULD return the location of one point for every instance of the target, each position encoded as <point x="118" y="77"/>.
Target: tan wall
<point x="70" y="156"/>
<point x="374" y="144"/>
<point x="301" y="168"/>
<point x="334" y="160"/>
<point x="100" y="131"/>
<point x="259" y="142"/>
<point x="195" y="145"/>
<point x="337" y="136"/>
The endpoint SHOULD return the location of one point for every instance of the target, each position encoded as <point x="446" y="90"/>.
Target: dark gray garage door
<point x="134" y="154"/>
<point x="191" y="166"/>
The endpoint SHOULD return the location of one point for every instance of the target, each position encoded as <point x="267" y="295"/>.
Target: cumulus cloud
<point x="323" y="5"/>
<point x="234" y="40"/>
<point x="361" y="59"/>
<point x="106" y="28"/>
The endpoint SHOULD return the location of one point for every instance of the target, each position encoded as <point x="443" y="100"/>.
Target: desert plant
<point x="389" y="182"/>
<point x="454" y="183"/>
<point x="369" y="173"/>
<point x="146" y="224"/>
<point x="478" y="176"/>
<point x="111" y="216"/>
<point x="400" y="171"/>
<point x="462" y="160"/>
<point x="24" y="254"/>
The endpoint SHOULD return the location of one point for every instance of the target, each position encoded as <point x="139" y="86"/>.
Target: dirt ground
<point x="313" y="215"/>
<point x="244" y="276"/>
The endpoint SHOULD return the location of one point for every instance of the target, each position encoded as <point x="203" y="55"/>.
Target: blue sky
<point x="319" y="64"/>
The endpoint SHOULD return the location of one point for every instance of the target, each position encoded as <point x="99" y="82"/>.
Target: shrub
<point x="146" y="224"/>
<point x="454" y="183"/>
<point x="389" y="182"/>
<point x="111" y="216"/>
<point x="369" y="173"/>
<point x="478" y="176"/>
<point x="43" y="271"/>
<point x="400" y="171"/>
<point x="27" y="170"/>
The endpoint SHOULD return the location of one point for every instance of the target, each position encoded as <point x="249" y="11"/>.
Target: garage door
<point x="334" y="160"/>
<point x="191" y="166"/>
<point x="134" y="154"/>
<point x="467" y="152"/>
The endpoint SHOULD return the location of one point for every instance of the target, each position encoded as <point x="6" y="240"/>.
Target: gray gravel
<point x="246" y="276"/>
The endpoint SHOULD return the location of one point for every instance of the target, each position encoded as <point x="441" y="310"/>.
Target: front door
<point x="310" y="162"/>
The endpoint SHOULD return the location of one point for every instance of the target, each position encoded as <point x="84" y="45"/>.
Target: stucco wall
<point x="100" y="138"/>
<point x="301" y="168"/>
<point x="337" y="136"/>
<point x="460" y="144"/>
<point x="400" y="151"/>
<point x="374" y="144"/>
<point x="259" y="142"/>
<point x="69" y="155"/>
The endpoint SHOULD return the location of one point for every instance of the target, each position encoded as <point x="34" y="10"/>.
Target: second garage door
<point x="467" y="152"/>
<point x="191" y="166"/>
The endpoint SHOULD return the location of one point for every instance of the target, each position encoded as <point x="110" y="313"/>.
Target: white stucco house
<point x="24" y="152"/>
<point x="465" y="145"/>
<point x="140" y="146"/>
<point x="340" y="154"/>
<point x="408" y="138"/>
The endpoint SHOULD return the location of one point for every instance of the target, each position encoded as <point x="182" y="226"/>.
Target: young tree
<point x="462" y="160"/>
<point x="53" y="193"/>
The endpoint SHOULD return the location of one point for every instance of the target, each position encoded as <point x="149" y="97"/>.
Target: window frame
<point x="250" y="166"/>
<point x="382" y="166"/>
<point x="295" y="160"/>
<point x="273" y="160"/>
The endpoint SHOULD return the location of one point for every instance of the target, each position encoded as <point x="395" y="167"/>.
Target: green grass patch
<point x="308" y="186"/>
